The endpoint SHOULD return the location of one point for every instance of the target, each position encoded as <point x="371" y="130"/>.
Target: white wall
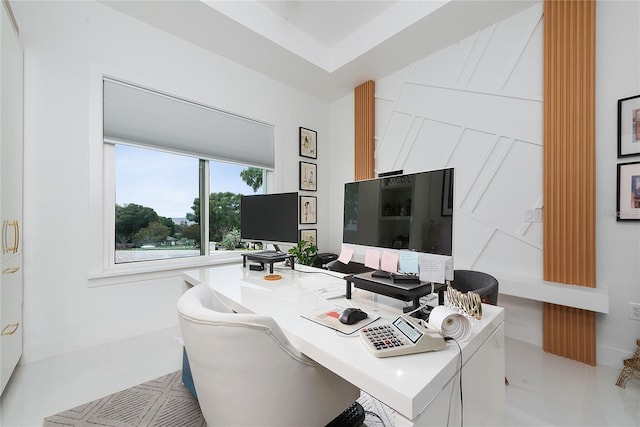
<point x="67" y="46"/>
<point x="618" y="243"/>
<point x="342" y="165"/>
<point x="477" y="106"/>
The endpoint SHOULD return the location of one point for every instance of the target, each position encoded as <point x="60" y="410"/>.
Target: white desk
<point x="422" y="388"/>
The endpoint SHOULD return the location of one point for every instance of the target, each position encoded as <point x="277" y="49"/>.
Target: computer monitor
<point x="269" y="218"/>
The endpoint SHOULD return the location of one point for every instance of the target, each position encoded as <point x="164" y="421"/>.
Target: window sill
<point x="149" y="270"/>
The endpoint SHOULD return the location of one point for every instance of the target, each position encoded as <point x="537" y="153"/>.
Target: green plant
<point x="231" y="239"/>
<point x="304" y="252"/>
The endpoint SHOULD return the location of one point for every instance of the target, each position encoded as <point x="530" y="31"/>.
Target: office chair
<point x="246" y="372"/>
<point x="481" y="283"/>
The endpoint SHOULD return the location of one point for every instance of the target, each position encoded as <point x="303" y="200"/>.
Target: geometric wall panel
<point x="483" y="179"/>
<point x="503" y="53"/>
<point x="531" y="58"/>
<point x="518" y="181"/>
<point x="470" y="238"/>
<point x="433" y="146"/>
<point x="388" y="149"/>
<point x="487" y="112"/>
<point x="469" y="159"/>
<point x="476" y="106"/>
<point x="510" y="256"/>
<point x="430" y="70"/>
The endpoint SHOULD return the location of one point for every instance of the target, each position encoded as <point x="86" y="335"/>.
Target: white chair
<point x="247" y="373"/>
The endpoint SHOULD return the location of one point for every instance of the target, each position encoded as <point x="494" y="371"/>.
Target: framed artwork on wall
<point x="628" y="195"/>
<point x="310" y="235"/>
<point x="307" y="209"/>
<point x="308" y="143"/>
<point x="629" y="126"/>
<point x="308" y="176"/>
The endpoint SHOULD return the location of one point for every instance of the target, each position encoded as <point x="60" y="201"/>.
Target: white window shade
<point x="137" y="116"/>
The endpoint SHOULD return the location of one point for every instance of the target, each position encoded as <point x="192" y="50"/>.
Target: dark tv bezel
<point x="269" y="237"/>
<point x="395" y="174"/>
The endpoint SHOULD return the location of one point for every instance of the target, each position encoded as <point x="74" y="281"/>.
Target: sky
<point x="168" y="183"/>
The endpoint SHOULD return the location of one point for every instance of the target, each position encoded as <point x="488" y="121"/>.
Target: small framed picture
<point x="308" y="143"/>
<point x="628" y="196"/>
<point x="629" y="126"/>
<point x="308" y="176"/>
<point x="307" y="209"/>
<point x="310" y="235"/>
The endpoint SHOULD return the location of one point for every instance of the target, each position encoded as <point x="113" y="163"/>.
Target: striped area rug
<point x="166" y="402"/>
<point x="163" y="402"/>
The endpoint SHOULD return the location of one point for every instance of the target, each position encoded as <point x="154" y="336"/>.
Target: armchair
<point x="246" y="372"/>
<point x="481" y="283"/>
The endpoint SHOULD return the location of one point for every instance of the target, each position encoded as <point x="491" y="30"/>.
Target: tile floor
<point x="544" y="390"/>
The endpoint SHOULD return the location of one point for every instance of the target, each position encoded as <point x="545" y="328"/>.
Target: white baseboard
<point x="609" y="356"/>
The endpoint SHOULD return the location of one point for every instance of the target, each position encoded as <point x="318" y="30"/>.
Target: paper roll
<point x="450" y="323"/>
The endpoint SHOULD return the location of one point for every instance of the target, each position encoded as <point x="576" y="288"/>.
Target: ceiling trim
<point x="254" y="36"/>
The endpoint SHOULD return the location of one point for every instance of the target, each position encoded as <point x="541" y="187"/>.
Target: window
<point x="174" y="174"/>
<point x="158" y="211"/>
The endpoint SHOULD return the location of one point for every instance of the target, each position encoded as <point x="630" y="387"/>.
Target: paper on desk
<point x="389" y="262"/>
<point x="345" y="255"/>
<point x="408" y="262"/>
<point x="432" y="270"/>
<point x="372" y="259"/>
<point x="329" y="290"/>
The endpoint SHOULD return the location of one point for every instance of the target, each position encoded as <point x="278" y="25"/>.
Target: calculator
<point x="403" y="336"/>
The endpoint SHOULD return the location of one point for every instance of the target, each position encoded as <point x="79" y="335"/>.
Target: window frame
<point x="103" y="269"/>
<point x="114" y="268"/>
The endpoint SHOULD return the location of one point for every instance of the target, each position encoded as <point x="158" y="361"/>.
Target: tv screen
<point x="411" y="211"/>
<point x="269" y="218"/>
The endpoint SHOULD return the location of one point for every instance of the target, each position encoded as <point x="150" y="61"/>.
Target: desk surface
<point x="406" y="383"/>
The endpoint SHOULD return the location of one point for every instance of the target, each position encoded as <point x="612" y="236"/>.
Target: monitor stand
<point x="388" y="288"/>
<point x="268" y="258"/>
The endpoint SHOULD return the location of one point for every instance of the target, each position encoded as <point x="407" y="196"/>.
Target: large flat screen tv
<point x="410" y="211"/>
<point x="269" y="218"/>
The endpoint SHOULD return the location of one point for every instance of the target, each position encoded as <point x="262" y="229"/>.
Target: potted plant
<point x="304" y="252"/>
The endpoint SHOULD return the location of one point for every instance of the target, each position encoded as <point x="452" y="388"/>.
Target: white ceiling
<point x="329" y="21"/>
<point x="324" y="48"/>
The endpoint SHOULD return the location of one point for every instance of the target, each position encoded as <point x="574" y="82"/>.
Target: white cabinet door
<point x="10" y="318"/>
<point x="11" y="163"/>
<point x="11" y="145"/>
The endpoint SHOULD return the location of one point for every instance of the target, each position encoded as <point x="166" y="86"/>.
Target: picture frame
<point x="308" y="209"/>
<point x="447" y="194"/>
<point x="629" y="126"/>
<point x="308" y="143"/>
<point x="310" y="235"/>
<point x="628" y="192"/>
<point x="308" y="176"/>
